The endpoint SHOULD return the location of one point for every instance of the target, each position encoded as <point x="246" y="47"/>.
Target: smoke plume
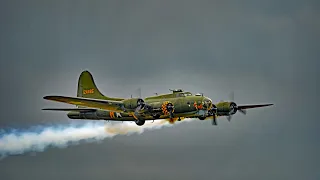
<point x="17" y="142"/>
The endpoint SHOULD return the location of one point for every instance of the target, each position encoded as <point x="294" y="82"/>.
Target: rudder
<point x="87" y="87"/>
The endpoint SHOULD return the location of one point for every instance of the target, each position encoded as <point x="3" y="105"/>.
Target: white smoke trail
<point x="20" y="142"/>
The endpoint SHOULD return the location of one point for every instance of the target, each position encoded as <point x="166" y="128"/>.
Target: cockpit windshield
<point x="183" y="94"/>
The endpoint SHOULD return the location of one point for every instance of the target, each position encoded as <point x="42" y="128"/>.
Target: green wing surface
<point x="88" y="102"/>
<point x="71" y="109"/>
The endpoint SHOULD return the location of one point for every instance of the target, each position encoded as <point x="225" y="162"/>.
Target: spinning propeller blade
<point x="229" y="117"/>
<point x="235" y="108"/>
<point x="214" y="122"/>
<point x="139" y="92"/>
<point x="243" y="111"/>
<point x="231" y="96"/>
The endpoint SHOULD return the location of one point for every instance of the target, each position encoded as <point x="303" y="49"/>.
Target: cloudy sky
<point x="267" y="52"/>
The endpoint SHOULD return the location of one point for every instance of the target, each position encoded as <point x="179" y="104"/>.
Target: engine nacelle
<point x="226" y="108"/>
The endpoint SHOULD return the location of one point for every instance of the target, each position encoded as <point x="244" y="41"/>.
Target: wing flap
<point x="88" y="102"/>
<point x="253" y="106"/>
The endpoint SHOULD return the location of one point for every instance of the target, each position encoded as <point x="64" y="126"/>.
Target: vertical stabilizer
<point x="88" y="89"/>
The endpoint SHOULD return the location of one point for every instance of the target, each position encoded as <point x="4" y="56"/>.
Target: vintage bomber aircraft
<point x="92" y="104"/>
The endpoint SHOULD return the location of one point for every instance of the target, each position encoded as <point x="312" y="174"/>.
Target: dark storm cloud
<point x="265" y="51"/>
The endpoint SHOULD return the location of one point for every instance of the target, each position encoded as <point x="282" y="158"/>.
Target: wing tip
<point x="52" y="97"/>
<point x="255" y="106"/>
<point x="48" y="109"/>
<point x="48" y="97"/>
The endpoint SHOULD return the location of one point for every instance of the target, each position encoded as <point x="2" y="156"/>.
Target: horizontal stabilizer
<point x="88" y="102"/>
<point x="241" y="107"/>
<point x="71" y="109"/>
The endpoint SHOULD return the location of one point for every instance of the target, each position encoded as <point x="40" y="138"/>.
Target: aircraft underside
<point x="119" y="116"/>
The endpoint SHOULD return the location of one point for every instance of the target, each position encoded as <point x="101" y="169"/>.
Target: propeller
<point x="243" y="111"/>
<point x="140" y="106"/>
<point x="139" y="92"/>
<point x="213" y="112"/>
<point x="170" y="109"/>
<point x="234" y="108"/>
<point x="231" y="96"/>
<point x="140" y="103"/>
<point x="214" y="121"/>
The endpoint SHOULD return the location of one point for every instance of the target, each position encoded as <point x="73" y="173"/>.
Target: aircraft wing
<point x="71" y="109"/>
<point x="242" y="107"/>
<point x="89" y="102"/>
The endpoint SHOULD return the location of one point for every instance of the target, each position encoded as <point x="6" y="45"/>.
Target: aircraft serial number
<point x="88" y="91"/>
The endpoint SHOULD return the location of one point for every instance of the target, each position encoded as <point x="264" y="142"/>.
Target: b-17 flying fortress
<point x="93" y="105"/>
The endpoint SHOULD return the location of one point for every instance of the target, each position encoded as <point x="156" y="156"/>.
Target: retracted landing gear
<point x="140" y="122"/>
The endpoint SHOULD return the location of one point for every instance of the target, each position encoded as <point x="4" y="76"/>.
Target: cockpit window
<point x="180" y="95"/>
<point x="187" y="94"/>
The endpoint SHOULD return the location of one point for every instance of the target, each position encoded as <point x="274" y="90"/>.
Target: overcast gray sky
<point x="265" y="51"/>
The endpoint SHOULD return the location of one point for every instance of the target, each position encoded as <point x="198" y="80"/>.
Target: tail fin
<point x="88" y="89"/>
